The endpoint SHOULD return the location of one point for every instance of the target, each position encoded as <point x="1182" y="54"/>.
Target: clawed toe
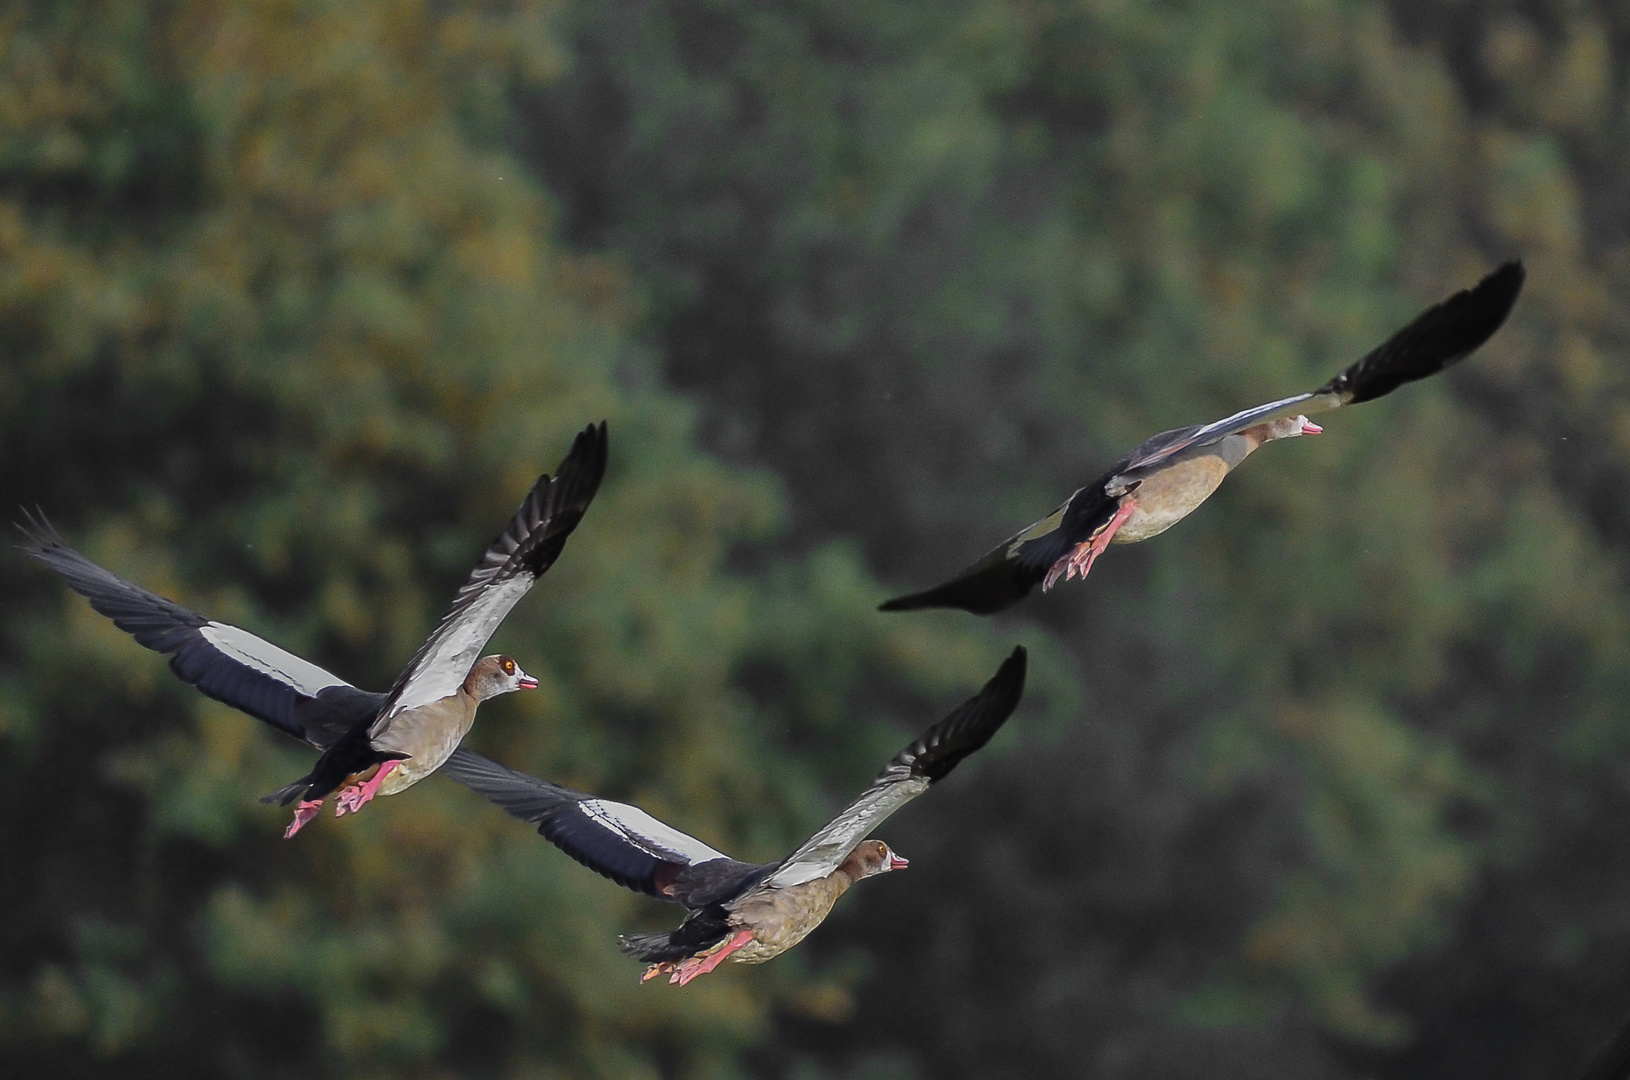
<point x="695" y="966"/>
<point x="1080" y="559"/>
<point x="356" y="796"/>
<point x="302" y="814"/>
<point x="685" y="971"/>
<point x="350" y="800"/>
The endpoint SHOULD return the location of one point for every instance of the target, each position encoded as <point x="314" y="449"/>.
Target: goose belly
<point x="1170" y="495"/>
<point x="781" y="918"/>
<point x="428" y="735"/>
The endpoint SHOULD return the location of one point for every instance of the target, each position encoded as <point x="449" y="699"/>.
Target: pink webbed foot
<point x="353" y="798"/>
<point x="1080" y="560"/>
<point x="700" y="965"/>
<point x="664" y="968"/>
<point x="302" y="814"/>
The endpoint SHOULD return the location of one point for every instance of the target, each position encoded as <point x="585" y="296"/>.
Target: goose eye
<point x="509" y="667"/>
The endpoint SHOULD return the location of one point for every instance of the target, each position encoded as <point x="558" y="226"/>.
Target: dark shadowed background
<point x="1331" y="781"/>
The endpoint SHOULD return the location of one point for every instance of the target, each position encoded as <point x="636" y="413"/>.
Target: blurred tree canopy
<point x="289" y="338"/>
<point x="297" y="298"/>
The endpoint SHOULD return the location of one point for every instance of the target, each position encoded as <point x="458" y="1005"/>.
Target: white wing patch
<point x="646" y="832"/>
<point x="823" y="852"/>
<point x="268" y="659"/>
<point x="457" y="646"/>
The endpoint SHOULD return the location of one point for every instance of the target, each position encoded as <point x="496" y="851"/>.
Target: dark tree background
<point x="298" y="297"/>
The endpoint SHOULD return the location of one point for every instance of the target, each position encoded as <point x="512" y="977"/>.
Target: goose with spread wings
<point x="744" y="912"/>
<point x="1167" y="477"/>
<point x="371" y="743"/>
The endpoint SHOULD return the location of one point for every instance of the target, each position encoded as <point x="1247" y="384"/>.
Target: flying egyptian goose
<point x="1167" y="477"/>
<point x="372" y="743"/>
<point x="744" y="912"/>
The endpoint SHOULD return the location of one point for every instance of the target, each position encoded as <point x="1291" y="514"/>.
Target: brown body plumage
<point x="428" y="734"/>
<point x="1168" y="496"/>
<point x="778" y="919"/>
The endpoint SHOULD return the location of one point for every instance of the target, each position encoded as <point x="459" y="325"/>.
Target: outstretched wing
<point x="994" y="583"/>
<point x="229" y="664"/>
<point x="526" y="549"/>
<point x="1439" y="337"/>
<point x="613" y="839"/>
<point x="908" y="775"/>
<point x="1007" y="573"/>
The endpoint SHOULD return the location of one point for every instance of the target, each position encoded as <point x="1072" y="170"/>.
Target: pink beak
<point x="527" y="682"/>
<point x="897" y="863"/>
<point x="1310" y="428"/>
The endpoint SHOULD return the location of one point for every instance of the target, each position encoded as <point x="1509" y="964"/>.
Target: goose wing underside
<point x="225" y="662"/>
<point x="614" y="839"/>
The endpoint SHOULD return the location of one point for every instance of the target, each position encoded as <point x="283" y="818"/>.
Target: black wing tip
<point x="1492" y="298"/>
<point x="1497" y="293"/>
<point x="593" y="439"/>
<point x="1017" y="661"/>
<point x="42" y="541"/>
<point x="978" y="593"/>
<point x="575" y="480"/>
<point x="588" y="456"/>
<point x="1439" y="337"/>
<point x="39" y="535"/>
<point x="1483" y="308"/>
<point x="972" y="724"/>
<point x="1509" y="275"/>
<point x="1006" y="687"/>
<point x="564" y="497"/>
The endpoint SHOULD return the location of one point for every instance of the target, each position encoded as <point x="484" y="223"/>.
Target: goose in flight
<point x="1166" y="478"/>
<point x="371" y="743"/>
<point x="744" y="912"/>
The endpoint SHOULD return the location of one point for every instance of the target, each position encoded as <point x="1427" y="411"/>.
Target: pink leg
<point x="302" y="814"/>
<point x="1081" y="559"/>
<point x="356" y="796"/>
<point x="701" y="965"/>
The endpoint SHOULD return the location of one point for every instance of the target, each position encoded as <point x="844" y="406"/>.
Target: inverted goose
<point x="744" y="912"/>
<point x="372" y="743"/>
<point x="1167" y="477"/>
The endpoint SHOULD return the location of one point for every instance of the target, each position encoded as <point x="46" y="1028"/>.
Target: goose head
<point x="1289" y="427"/>
<point x="494" y="675"/>
<point x="870" y="858"/>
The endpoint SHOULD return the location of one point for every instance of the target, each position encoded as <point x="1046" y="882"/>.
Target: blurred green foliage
<point x="290" y="338"/>
<point x="298" y="298"/>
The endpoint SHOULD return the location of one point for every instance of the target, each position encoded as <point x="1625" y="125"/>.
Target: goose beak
<point x="523" y="681"/>
<point x="897" y="863"/>
<point x="1310" y="428"/>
